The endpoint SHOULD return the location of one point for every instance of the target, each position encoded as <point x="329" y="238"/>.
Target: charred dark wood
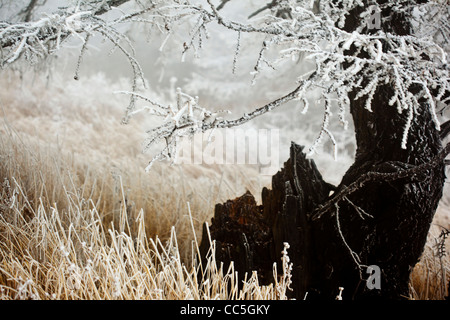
<point x="253" y="236"/>
<point x="241" y="236"/>
<point x="382" y="220"/>
<point x="296" y="191"/>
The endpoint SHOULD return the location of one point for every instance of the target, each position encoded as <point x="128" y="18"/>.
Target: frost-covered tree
<point x="384" y="63"/>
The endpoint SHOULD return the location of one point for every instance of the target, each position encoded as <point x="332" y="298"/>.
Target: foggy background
<point x="208" y="76"/>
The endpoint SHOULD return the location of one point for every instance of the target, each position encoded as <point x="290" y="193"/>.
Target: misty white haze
<point x="208" y="76"/>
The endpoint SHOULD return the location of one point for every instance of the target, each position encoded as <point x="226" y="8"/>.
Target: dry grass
<point x="80" y="219"/>
<point x="70" y="254"/>
<point x="430" y="277"/>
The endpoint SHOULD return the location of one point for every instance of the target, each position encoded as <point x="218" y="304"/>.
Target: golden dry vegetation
<point x="80" y="219"/>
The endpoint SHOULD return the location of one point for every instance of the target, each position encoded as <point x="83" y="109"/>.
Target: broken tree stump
<point x="376" y="218"/>
<point x="252" y="236"/>
<point x="241" y="236"/>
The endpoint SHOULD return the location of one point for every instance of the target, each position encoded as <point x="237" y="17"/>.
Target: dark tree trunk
<point x="253" y="236"/>
<point x="379" y="215"/>
<point x="402" y="209"/>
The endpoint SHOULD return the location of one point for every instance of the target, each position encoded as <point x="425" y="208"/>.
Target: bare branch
<point x="222" y="4"/>
<point x="107" y="5"/>
<point x="380" y="176"/>
<point x="257" y="112"/>
<point x="28" y="10"/>
<point x="445" y="129"/>
<point x="310" y="29"/>
<point x="267" y="6"/>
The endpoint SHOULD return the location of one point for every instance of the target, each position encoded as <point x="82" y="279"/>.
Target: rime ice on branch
<point x="316" y="33"/>
<point x="292" y="28"/>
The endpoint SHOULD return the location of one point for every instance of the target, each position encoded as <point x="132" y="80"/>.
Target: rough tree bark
<point x="380" y="213"/>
